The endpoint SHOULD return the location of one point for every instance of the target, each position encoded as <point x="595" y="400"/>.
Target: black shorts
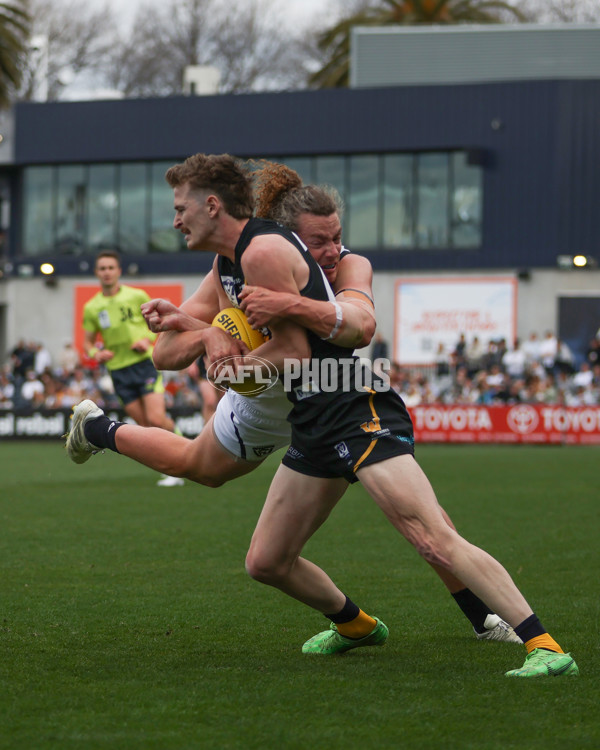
<point x="135" y="381"/>
<point x="351" y="431"/>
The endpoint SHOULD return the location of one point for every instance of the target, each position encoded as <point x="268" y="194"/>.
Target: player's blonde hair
<point x="281" y="196"/>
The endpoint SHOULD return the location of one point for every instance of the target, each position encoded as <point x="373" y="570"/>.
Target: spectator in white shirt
<point x="584" y="376"/>
<point x="514" y="361"/>
<point x="32" y="390"/>
<point x="548" y="351"/>
<point x="531" y="347"/>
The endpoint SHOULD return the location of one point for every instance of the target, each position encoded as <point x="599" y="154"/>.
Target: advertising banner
<point x="434" y="311"/>
<point x="521" y="423"/>
<point x="433" y="423"/>
<point x="53" y="424"/>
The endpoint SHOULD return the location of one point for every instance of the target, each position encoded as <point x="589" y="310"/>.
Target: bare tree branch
<point x="251" y="48"/>
<point x="563" y="11"/>
<point x="79" y="39"/>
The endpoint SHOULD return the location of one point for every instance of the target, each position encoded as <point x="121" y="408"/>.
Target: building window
<point x="133" y="209"/>
<point x="398" y="201"/>
<point x="407" y="201"/>
<point x="331" y="171"/>
<point x="303" y="165"/>
<point x="103" y="203"/>
<point x="38" y="214"/>
<point x="392" y="201"/>
<point x="466" y="202"/>
<point x="361" y="226"/>
<point x="71" y="201"/>
<point x="162" y="237"/>
<point x="432" y="183"/>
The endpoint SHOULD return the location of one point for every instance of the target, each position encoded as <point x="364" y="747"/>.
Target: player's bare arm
<point x="353" y="293"/>
<point x="280" y="268"/>
<point x="186" y="332"/>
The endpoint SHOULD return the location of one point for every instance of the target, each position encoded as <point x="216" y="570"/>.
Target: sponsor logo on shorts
<point x="294" y="453"/>
<point x="263" y="450"/>
<point x="405" y="439"/>
<point x="342" y="450"/>
<point x="374" y="434"/>
<point x="373" y="426"/>
<point x="306" y="390"/>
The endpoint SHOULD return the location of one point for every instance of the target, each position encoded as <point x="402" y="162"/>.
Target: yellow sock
<point x="361" y="626"/>
<point x="543" y="641"/>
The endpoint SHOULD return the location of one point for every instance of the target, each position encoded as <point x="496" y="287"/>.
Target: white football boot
<point x="497" y="630"/>
<point x="77" y="446"/>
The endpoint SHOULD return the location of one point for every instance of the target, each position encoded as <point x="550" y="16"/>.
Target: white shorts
<point x="253" y="428"/>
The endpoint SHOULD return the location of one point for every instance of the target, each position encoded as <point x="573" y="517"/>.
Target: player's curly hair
<point x="223" y="175"/>
<point x="281" y="196"/>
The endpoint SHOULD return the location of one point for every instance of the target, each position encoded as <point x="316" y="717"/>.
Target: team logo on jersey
<point x="230" y="284"/>
<point x="342" y="450"/>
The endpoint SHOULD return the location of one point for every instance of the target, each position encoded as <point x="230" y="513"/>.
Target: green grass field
<point x="127" y="620"/>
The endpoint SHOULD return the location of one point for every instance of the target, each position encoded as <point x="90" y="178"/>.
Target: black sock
<point x="530" y="628"/>
<point x="349" y="612"/>
<point x="473" y="608"/>
<point x="101" y="432"/>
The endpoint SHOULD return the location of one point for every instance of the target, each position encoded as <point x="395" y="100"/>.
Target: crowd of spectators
<point x="539" y="370"/>
<point x="31" y="380"/>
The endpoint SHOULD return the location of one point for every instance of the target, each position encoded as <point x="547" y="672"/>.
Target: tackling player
<point x="208" y="193"/>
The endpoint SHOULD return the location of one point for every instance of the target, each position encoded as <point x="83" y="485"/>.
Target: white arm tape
<point x="339" y="317"/>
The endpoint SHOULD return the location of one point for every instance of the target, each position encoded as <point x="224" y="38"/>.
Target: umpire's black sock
<point x="100" y="432"/>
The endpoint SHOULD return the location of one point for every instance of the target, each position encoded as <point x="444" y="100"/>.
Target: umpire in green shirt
<point x="126" y="349"/>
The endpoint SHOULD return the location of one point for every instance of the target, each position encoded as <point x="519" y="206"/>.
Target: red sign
<point x="521" y="423"/>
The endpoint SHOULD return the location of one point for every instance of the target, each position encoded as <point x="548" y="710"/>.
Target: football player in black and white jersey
<point x="211" y="206"/>
<point x="244" y="429"/>
<point x="365" y="434"/>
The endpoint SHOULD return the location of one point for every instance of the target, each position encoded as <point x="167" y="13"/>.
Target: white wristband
<point x="339" y="317"/>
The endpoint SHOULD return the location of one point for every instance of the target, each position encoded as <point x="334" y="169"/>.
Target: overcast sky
<point x="295" y="11"/>
<point x="298" y="13"/>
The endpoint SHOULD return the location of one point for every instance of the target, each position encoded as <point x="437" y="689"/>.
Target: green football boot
<point x="543" y="663"/>
<point x="331" y="642"/>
